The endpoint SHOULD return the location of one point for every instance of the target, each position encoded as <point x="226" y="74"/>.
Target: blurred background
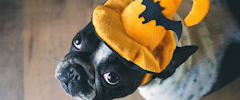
<point x="36" y="34"/>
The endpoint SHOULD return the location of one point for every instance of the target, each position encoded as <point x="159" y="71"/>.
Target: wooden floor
<point x="35" y="35"/>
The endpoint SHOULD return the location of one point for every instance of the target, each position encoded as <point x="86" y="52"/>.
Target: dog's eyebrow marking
<point x="102" y="53"/>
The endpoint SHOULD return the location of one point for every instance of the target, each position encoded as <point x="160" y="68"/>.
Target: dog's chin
<point x="79" y="91"/>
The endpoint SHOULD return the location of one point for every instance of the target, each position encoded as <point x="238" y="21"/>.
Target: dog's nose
<point x="78" y="73"/>
<point x="71" y="72"/>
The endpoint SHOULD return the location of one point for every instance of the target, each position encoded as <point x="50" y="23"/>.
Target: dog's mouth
<point x="76" y="79"/>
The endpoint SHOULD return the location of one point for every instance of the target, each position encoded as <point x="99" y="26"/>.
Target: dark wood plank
<point x="11" y="63"/>
<point x="49" y="27"/>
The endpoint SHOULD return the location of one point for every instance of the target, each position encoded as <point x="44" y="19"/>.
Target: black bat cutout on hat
<point x="153" y="12"/>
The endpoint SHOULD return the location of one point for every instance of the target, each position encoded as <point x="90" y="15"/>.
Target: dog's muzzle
<point x="76" y="78"/>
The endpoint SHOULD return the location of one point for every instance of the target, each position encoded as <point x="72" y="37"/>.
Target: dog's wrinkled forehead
<point x="94" y="49"/>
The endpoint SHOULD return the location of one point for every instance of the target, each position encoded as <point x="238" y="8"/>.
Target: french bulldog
<point x="205" y="60"/>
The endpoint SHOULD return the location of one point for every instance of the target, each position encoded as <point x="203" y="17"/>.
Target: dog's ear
<point x="180" y="55"/>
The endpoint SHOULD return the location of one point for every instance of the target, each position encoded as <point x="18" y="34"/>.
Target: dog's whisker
<point x="53" y="76"/>
<point x="55" y="61"/>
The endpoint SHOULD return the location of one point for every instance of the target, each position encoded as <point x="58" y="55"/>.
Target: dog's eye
<point x="111" y="78"/>
<point x="77" y="41"/>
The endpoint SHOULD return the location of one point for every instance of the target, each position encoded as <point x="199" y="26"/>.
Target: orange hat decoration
<point x="141" y="31"/>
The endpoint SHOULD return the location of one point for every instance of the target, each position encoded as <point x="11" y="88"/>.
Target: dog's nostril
<point x="77" y="72"/>
<point x="78" y="77"/>
<point x="71" y="70"/>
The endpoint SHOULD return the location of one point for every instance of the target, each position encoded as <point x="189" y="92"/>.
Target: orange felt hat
<point x="141" y="31"/>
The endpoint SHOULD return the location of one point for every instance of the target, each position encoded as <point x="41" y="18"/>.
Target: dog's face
<point x="91" y="71"/>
